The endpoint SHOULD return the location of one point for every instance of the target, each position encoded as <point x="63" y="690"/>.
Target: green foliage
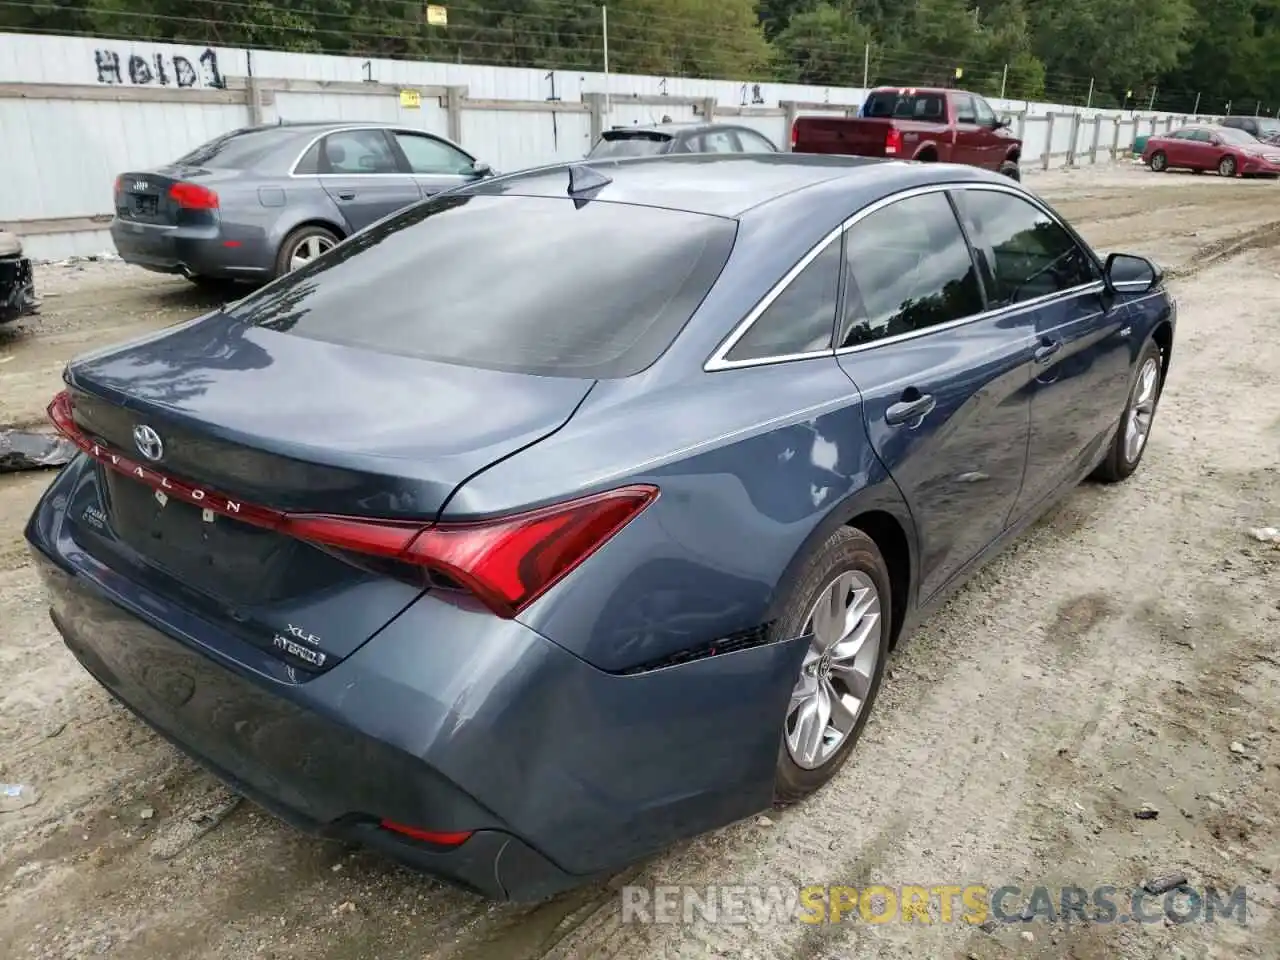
<point x="1225" y="50"/>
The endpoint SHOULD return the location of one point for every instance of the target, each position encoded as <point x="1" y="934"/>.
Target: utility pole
<point x="604" y="31"/>
<point x="1004" y="80"/>
<point x="1152" y="105"/>
<point x="866" y="67"/>
<point x="1196" y="109"/>
<point x="1257" y="108"/>
<point x="1089" y="102"/>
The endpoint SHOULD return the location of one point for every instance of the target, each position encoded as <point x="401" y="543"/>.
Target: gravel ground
<point x="1124" y="654"/>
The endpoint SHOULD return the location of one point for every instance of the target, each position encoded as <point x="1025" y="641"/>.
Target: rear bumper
<point x="207" y="251"/>
<point x="17" y="288"/>
<point x="448" y="720"/>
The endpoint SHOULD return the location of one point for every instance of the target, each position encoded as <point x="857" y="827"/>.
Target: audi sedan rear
<point x="576" y="511"/>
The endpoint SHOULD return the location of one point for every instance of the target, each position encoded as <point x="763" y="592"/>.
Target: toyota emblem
<point x="148" y="442"/>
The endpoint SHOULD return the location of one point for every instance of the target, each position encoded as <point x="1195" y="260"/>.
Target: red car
<point x="912" y="123"/>
<point x="1231" y="152"/>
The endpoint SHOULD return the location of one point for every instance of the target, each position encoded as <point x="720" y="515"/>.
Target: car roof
<point x="733" y="185"/>
<point x="673" y="127"/>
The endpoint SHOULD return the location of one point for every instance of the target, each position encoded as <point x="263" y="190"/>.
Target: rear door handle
<point x="1044" y="352"/>
<point x="346" y="194"/>
<point x="905" y="411"/>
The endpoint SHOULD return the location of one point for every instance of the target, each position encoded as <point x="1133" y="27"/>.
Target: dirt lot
<point x="1125" y="652"/>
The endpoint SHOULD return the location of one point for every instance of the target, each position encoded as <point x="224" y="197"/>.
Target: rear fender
<point x="929" y="146"/>
<point x="880" y="495"/>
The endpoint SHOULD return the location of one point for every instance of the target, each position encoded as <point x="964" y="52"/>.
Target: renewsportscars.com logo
<point x="975" y="904"/>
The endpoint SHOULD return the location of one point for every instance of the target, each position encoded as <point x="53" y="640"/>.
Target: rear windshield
<point x="630" y="145"/>
<point x="529" y="284"/>
<point x="237" y="150"/>
<point x="900" y="105"/>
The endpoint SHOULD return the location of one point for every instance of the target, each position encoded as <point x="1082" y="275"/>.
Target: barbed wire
<point x="656" y="41"/>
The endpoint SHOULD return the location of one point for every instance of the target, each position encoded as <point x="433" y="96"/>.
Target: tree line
<point x="1108" y="52"/>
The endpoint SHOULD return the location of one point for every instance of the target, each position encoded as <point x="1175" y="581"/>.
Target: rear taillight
<point x="119" y="187"/>
<point x="192" y="196"/>
<point x="795" y="134"/>
<point x="892" y="141"/>
<point x="506" y="563"/>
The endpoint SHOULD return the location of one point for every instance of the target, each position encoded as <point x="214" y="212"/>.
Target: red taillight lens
<point x="507" y="563"/>
<point x="192" y="196"/>
<point x="892" y="141"/>
<point x="795" y="134"/>
<point x="119" y="187"/>
<point x="454" y="838"/>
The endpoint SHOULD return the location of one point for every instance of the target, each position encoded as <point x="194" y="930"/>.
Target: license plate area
<point x="144" y="204"/>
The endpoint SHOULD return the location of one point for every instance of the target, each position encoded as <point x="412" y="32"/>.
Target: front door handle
<point x="1045" y="352"/>
<point x="906" y="410"/>
<point x="346" y="194"/>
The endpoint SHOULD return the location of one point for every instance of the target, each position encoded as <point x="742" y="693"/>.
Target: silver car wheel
<point x="308" y="250"/>
<point x="1138" y="424"/>
<point x="835" y="679"/>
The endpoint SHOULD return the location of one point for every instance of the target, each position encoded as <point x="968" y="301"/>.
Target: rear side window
<point x="801" y="318"/>
<point x="631" y="146"/>
<point x="1026" y="253"/>
<point x="900" y="105"/>
<point x="908" y="268"/>
<point x="527" y="284"/>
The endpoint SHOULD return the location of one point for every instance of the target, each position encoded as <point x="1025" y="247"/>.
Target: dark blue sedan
<point x="577" y="511"/>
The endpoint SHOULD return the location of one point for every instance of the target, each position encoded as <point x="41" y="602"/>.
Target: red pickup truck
<point x="914" y="123"/>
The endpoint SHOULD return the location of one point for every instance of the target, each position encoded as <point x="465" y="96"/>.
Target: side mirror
<point x="1126" y="273"/>
<point x="480" y="170"/>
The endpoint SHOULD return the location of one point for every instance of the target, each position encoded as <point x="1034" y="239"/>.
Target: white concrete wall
<point x="59" y="157"/>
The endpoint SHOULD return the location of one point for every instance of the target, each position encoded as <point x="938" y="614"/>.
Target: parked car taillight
<point x="192" y="196"/>
<point x="893" y="141"/>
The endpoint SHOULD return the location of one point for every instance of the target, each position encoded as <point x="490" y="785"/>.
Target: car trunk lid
<point x="198" y="493"/>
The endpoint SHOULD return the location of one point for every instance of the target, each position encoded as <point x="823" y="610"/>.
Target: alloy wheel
<point x="308" y="250"/>
<point x="844" y="628"/>
<point x="1138" y="424"/>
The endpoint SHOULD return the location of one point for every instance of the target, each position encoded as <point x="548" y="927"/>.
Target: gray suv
<point x="259" y="202"/>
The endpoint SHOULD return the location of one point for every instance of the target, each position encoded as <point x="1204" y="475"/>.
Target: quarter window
<point x="755" y="143"/>
<point x="908" y="268"/>
<point x="1025" y="252"/>
<point x="800" y="320"/>
<point x="718" y="141"/>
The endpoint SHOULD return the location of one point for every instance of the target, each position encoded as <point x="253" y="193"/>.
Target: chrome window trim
<point x="294" y="175"/>
<point x="717" y="360"/>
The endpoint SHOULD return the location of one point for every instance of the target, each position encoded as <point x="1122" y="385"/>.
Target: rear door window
<point x="357" y="151"/>
<point x="716" y="141"/>
<point x="908" y="268"/>
<point x="527" y="284"/>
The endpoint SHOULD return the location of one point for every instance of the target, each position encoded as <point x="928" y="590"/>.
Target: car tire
<point x="1011" y="170"/>
<point x="847" y="574"/>
<point x="1159" y="162"/>
<point x="1134" y="431"/>
<point x="303" y="245"/>
<point x="1227" y="167"/>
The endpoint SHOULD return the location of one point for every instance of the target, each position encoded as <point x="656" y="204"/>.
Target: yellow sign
<point x="959" y="72"/>
<point x="1128" y="93"/>
<point x="410" y="99"/>
<point x="437" y="16"/>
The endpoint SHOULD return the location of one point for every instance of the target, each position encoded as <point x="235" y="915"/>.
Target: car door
<point x="1196" y="150"/>
<point x="1033" y="264"/>
<point x="993" y="145"/>
<point x="969" y="144"/>
<point x="944" y="382"/>
<point x="434" y="164"/>
<point x="360" y="170"/>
